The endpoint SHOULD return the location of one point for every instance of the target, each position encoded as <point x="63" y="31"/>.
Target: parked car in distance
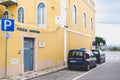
<point x="99" y="55"/>
<point x="81" y="59"/>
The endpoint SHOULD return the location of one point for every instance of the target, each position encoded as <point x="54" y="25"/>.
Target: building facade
<point x="45" y="30"/>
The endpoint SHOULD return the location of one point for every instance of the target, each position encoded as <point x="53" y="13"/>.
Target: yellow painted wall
<point x="53" y="48"/>
<point x="74" y="39"/>
<point x="81" y="8"/>
<point x="52" y="10"/>
<point x="2" y="8"/>
<point x="53" y="37"/>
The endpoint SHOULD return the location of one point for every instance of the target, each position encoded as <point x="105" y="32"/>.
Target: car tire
<point x="104" y="60"/>
<point x="99" y="61"/>
<point x="95" y="64"/>
<point x="88" y="67"/>
<point x="69" y="67"/>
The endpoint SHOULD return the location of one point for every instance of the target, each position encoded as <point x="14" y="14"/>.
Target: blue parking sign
<point x="94" y="43"/>
<point x="7" y="24"/>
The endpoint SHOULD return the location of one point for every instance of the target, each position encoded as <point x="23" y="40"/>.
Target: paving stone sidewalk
<point x="33" y="74"/>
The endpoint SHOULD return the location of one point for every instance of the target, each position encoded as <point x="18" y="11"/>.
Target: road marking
<point x="89" y="71"/>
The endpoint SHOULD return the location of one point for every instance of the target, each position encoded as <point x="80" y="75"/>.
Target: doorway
<point x="28" y="54"/>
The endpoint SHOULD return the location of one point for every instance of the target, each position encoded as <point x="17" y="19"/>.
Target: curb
<point x="32" y="75"/>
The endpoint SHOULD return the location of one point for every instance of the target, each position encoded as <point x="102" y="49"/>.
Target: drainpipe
<point x="65" y="45"/>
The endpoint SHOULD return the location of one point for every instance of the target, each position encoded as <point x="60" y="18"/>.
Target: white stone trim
<point x="35" y="51"/>
<point x="65" y="44"/>
<point x="84" y="20"/>
<point x="91" y="24"/>
<point x="63" y="14"/>
<point x="87" y="6"/>
<point x="76" y="32"/>
<point x="74" y="17"/>
<point x="17" y="13"/>
<point x="42" y="25"/>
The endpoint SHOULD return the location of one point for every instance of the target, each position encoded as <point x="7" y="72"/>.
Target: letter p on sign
<point x="7" y="25"/>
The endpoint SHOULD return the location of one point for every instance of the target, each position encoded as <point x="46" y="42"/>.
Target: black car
<point x="99" y="55"/>
<point x="81" y="58"/>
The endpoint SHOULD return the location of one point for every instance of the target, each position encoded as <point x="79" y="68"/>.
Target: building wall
<point x="53" y="35"/>
<point x="2" y="8"/>
<point x="78" y="36"/>
<point x="81" y="8"/>
<point x="52" y="10"/>
<point x="51" y="55"/>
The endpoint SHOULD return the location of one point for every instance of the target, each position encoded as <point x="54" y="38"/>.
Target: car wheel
<point x="95" y="64"/>
<point x="104" y="60"/>
<point x="99" y="61"/>
<point x="69" y="67"/>
<point x="88" y="67"/>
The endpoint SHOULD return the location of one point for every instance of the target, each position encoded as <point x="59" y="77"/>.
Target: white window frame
<point x="84" y="20"/>
<point x="91" y="24"/>
<point x="41" y="19"/>
<point x="21" y="16"/>
<point x="74" y="14"/>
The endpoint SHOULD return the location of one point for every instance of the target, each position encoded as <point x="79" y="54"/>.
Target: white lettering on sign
<point x="7" y="25"/>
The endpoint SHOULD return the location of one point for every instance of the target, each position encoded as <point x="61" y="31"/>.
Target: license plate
<point x="73" y="61"/>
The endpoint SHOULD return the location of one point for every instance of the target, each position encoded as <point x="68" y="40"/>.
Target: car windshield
<point x="76" y="54"/>
<point x="95" y="52"/>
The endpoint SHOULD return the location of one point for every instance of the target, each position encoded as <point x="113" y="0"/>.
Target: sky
<point x="107" y="22"/>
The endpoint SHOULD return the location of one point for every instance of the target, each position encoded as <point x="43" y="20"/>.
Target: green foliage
<point x="100" y="40"/>
<point x="115" y="49"/>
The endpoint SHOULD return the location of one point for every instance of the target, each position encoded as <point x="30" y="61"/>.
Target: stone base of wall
<point x="17" y="69"/>
<point x="2" y="72"/>
<point x="11" y="71"/>
<point x="48" y="64"/>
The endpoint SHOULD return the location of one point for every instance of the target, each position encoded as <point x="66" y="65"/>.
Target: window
<point x="96" y="52"/>
<point x="21" y="15"/>
<point x="84" y="20"/>
<point x="91" y="24"/>
<point x="76" y="54"/>
<point x="74" y="14"/>
<point x="41" y="14"/>
<point x="6" y="14"/>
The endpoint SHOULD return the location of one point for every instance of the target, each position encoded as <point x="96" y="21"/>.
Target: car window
<point x="96" y="52"/>
<point x="92" y="55"/>
<point x="76" y="54"/>
<point x="101" y="52"/>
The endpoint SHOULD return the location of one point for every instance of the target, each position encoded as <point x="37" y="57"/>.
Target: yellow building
<point x="45" y="30"/>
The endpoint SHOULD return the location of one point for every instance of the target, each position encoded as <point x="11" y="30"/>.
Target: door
<point x="28" y="54"/>
<point x="92" y="61"/>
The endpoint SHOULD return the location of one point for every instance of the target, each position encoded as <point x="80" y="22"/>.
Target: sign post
<point x="6" y="55"/>
<point x="7" y="25"/>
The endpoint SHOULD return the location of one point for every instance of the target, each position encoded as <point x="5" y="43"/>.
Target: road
<point x="110" y="70"/>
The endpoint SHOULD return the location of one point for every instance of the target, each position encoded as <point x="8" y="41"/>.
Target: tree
<point x="99" y="41"/>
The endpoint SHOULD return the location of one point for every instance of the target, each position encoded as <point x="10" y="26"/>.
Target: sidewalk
<point x="36" y="73"/>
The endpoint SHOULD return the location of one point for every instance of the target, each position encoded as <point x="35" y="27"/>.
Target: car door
<point x="102" y="56"/>
<point x="90" y="58"/>
<point x="93" y="59"/>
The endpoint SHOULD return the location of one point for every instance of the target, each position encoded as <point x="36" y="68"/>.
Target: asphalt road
<point x="110" y="70"/>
